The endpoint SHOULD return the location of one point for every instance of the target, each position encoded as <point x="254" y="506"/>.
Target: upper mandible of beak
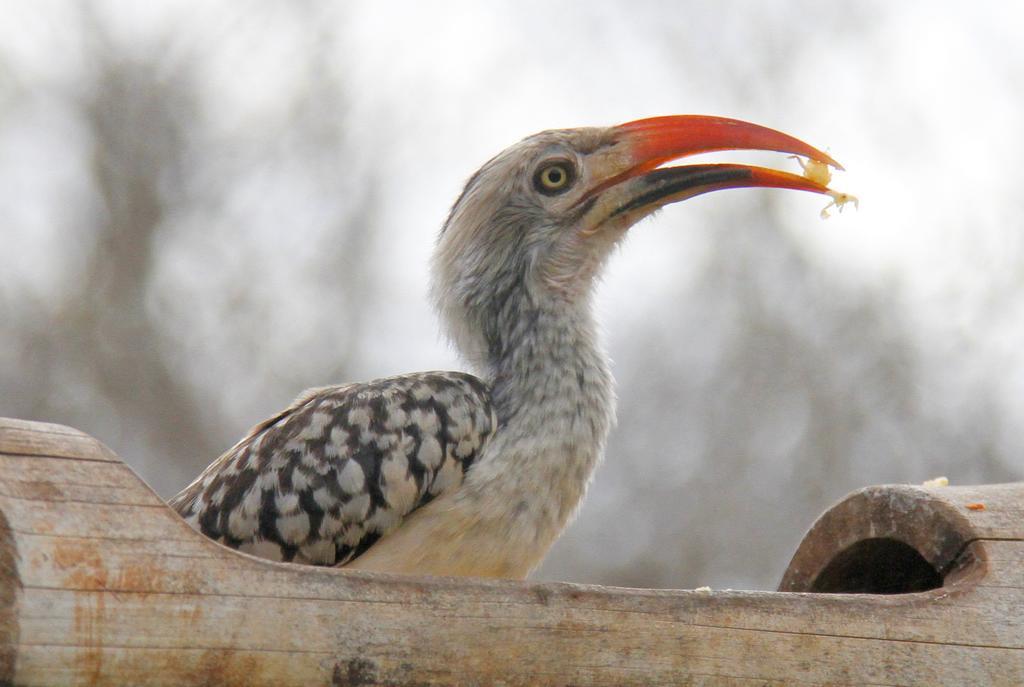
<point x="658" y="140"/>
<point x="638" y="186"/>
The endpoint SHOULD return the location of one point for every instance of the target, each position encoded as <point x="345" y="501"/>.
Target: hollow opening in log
<point x="877" y="566"/>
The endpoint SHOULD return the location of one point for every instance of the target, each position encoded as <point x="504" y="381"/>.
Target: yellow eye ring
<point x="554" y="177"/>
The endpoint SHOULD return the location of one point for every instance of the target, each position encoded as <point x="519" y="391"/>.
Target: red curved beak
<point x="649" y="143"/>
<point x="658" y="140"/>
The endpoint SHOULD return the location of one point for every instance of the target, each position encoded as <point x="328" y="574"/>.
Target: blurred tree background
<point x="207" y="208"/>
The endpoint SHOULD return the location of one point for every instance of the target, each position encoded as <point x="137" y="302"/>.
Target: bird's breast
<point x="446" y="537"/>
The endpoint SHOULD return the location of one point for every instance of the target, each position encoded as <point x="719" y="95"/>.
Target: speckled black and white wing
<point x="322" y="481"/>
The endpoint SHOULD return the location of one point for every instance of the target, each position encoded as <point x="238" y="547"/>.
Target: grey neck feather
<point x="549" y="358"/>
<point x="552" y="393"/>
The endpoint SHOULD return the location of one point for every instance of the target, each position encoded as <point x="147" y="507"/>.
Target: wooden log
<point x="103" y="584"/>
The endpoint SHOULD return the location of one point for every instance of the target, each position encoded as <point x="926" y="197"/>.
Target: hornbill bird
<point x="447" y="473"/>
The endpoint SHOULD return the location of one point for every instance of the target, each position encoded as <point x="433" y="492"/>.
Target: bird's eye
<point x="554" y="177"/>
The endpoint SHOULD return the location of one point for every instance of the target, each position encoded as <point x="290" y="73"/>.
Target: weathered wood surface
<point x="102" y="584"/>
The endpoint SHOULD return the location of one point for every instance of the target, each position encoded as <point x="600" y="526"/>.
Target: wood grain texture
<point x="102" y="584"/>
